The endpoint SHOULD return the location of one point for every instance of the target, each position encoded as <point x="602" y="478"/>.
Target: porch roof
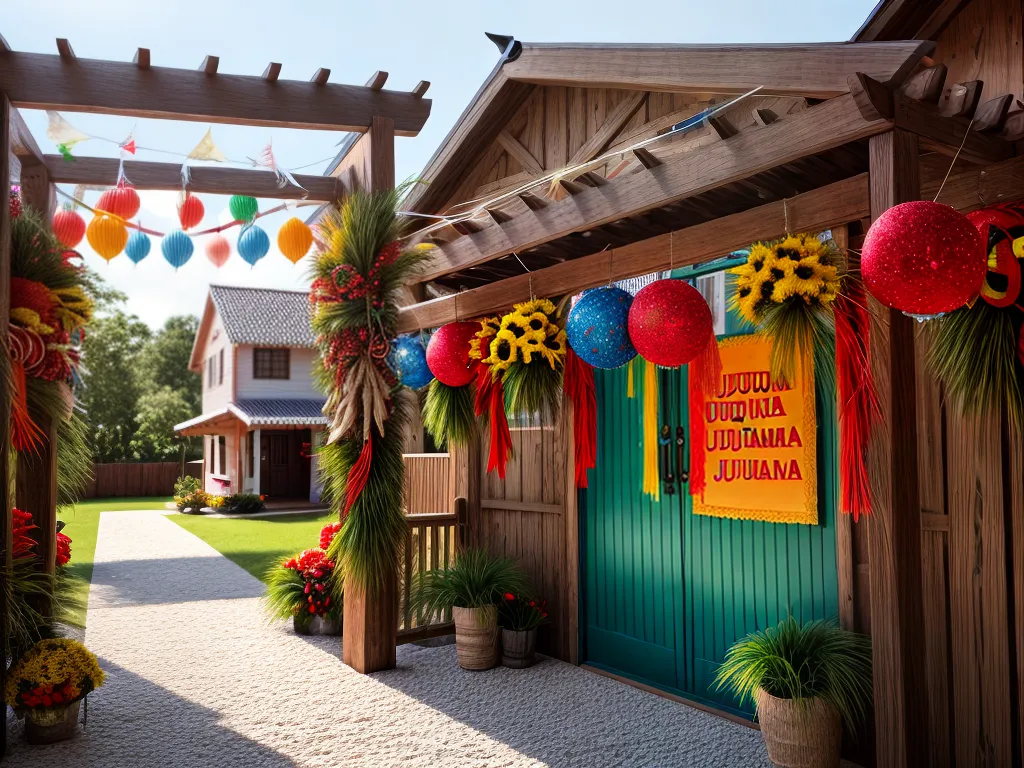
<point x="254" y="413"/>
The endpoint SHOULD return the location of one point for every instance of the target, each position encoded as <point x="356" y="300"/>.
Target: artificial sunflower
<point x="504" y="351"/>
<point x="535" y="336"/>
<point x="479" y="345"/>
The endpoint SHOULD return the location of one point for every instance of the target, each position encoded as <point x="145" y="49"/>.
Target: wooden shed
<point x="834" y="135"/>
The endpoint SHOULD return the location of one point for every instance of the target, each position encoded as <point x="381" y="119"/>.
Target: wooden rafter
<point x="47" y="81"/>
<point x="831" y="124"/>
<point x="613" y="123"/>
<point x="817" y="71"/>
<point x="523" y="156"/>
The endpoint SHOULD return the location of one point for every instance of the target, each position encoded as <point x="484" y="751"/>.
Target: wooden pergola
<point x="140" y="88"/>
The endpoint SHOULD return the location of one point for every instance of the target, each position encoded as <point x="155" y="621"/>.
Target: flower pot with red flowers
<point x="519" y="618"/>
<point x="46" y="686"/>
<point x="305" y="589"/>
<point x="472" y="587"/>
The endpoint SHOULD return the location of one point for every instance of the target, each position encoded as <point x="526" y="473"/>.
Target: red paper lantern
<point x="190" y="211"/>
<point x="122" y="201"/>
<point x="923" y="258"/>
<point x="448" y="353"/>
<point x="1002" y="283"/>
<point x="218" y="250"/>
<point x="670" y="323"/>
<point x="69" y="227"/>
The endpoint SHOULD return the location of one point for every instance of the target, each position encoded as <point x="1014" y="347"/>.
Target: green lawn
<point x="257" y="544"/>
<point x="82" y="522"/>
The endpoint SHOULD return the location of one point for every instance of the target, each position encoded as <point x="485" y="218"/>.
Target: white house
<point x="261" y="413"/>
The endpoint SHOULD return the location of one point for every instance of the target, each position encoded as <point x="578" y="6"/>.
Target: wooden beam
<point x="894" y="527"/>
<point x="963" y="99"/>
<point x="991" y="116"/>
<point x="532" y="201"/>
<point x="825" y="207"/>
<point x="6" y="478"/>
<point x="1013" y="130"/>
<point x="44" y="81"/>
<point x="376" y="82"/>
<point x="421" y="89"/>
<point x="4" y="45"/>
<point x="102" y="171"/>
<point x="948" y="135"/>
<point x="612" y="124"/>
<point x="975" y="187"/>
<point x="272" y="72"/>
<point x="23" y="143"/>
<point x="764" y="116"/>
<point x="209" y="65"/>
<point x="521" y="154"/>
<point x="757" y="149"/>
<point x="926" y="85"/>
<point x="646" y="158"/>
<point x="873" y="99"/>
<point x="816" y="70"/>
<point x="64" y="49"/>
<point x="141" y="58"/>
<point x="37" y="189"/>
<point x="321" y="76"/>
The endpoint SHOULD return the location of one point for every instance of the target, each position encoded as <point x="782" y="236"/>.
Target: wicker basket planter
<point x="804" y="735"/>
<point x="48" y="726"/>
<point x="476" y="637"/>
<point x="517" y="648"/>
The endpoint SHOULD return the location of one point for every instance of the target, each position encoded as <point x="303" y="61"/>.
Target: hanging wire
<point x="528" y="272"/>
<point x="959" y="149"/>
<point x="785" y="214"/>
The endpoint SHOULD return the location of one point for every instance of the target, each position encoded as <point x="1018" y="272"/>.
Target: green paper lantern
<point x="243" y="207"/>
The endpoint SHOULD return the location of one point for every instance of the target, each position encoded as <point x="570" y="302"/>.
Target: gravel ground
<point x="194" y="680"/>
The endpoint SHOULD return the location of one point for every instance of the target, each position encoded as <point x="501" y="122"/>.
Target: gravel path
<point x="194" y="680"/>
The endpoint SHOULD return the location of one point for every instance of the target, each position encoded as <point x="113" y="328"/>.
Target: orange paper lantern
<point x="190" y="211"/>
<point x="121" y="201"/>
<point x="218" y="250"/>
<point x="107" y="236"/>
<point x="69" y="227"/>
<point x="294" y="239"/>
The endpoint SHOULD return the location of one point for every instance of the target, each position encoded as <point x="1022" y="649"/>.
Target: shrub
<point x="306" y="585"/>
<point x="192" y="502"/>
<point x="244" y="503"/>
<point x="521" y="614"/>
<point x="476" y="579"/>
<point x="186" y="485"/>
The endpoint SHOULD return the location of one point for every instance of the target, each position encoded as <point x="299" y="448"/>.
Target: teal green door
<point x="666" y="592"/>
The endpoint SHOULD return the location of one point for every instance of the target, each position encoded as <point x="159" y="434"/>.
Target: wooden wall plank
<point x="1015" y="466"/>
<point x="983" y="42"/>
<point x="5" y="393"/>
<point x="556" y="150"/>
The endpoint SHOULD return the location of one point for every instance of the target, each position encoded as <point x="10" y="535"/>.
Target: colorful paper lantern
<point x="597" y="327"/>
<point x="177" y="248"/>
<point x="670" y="323"/>
<point x="218" y="250"/>
<point x="294" y="239"/>
<point x="243" y="207"/>
<point x="253" y="245"/>
<point x="923" y="258"/>
<point x="448" y="353"/>
<point x="1002" y="283"/>
<point x="69" y="227"/>
<point x="107" y="236"/>
<point x="408" y="359"/>
<point x="190" y="211"/>
<point x="122" y="201"/>
<point x="137" y="247"/>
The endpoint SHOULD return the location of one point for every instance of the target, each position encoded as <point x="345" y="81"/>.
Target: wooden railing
<point x="432" y="541"/>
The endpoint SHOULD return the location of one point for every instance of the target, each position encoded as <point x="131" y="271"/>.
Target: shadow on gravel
<point x="169" y="580"/>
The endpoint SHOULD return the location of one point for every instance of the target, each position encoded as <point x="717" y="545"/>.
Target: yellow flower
<point x="478" y="345"/>
<point x="797" y="266"/>
<point x="504" y="351"/>
<point x="516" y="324"/>
<point x="553" y="349"/>
<point x="536" y="305"/>
<point x="57" y="662"/>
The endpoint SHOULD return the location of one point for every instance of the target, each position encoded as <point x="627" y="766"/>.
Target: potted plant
<point x="245" y="503"/>
<point x="472" y="587"/>
<point x="519" y="619"/>
<point x="46" y="687"/>
<point x="304" y="589"/>
<point x="806" y="681"/>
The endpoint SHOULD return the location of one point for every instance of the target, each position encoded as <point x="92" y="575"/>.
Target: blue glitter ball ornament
<point x="137" y="247"/>
<point x="253" y="245"/>
<point x="597" y="327"/>
<point x="177" y="248"/>
<point x="408" y="359"/>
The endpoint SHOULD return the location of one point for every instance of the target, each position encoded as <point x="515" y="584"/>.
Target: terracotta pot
<point x="476" y="637"/>
<point x="48" y="726"/>
<point x="808" y="734"/>
<point x="302" y="624"/>
<point x="517" y="648"/>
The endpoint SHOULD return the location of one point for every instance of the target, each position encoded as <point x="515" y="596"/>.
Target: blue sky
<point x="440" y="41"/>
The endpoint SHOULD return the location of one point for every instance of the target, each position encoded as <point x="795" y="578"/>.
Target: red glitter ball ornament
<point x="122" y="201"/>
<point x="69" y="227"/>
<point x="670" y="323"/>
<point x="448" y="353"/>
<point x="923" y="258"/>
<point x="190" y="212"/>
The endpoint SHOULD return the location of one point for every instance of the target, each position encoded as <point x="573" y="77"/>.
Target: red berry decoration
<point x="122" y="201"/>
<point x="448" y="353"/>
<point x="190" y="212"/>
<point x="69" y="227"/>
<point x="923" y="258"/>
<point x="670" y="323"/>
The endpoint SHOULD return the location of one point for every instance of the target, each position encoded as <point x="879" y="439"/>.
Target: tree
<point x="165" y="361"/>
<point x="158" y="412"/>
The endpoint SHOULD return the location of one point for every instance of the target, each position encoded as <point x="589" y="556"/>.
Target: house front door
<point x="274" y="472"/>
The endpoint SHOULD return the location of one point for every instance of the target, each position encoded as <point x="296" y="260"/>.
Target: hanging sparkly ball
<point x="190" y="211"/>
<point x="923" y="258"/>
<point x="448" y="353"/>
<point x="597" y="327"/>
<point x="218" y="250"/>
<point x="122" y="201"/>
<point x="69" y="227"/>
<point x="253" y="245"/>
<point x="107" y="236"/>
<point x="670" y="323"/>
<point x="408" y="359"/>
<point x="177" y="248"/>
<point x="243" y="207"/>
<point x="294" y="239"/>
<point x="137" y="247"/>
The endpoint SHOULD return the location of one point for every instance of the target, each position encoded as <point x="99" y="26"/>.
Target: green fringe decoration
<point x="532" y="388"/>
<point x="65" y="152"/>
<point x="448" y="414"/>
<point x="798" y="329"/>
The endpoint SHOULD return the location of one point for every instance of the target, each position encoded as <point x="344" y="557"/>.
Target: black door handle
<point x="665" y="444"/>
<point x="684" y="475"/>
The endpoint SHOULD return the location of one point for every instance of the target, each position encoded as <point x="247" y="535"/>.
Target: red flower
<point x="327" y="534"/>
<point x="23" y="542"/>
<point x="509" y="596"/>
<point x="63" y="549"/>
<point x="533" y="603"/>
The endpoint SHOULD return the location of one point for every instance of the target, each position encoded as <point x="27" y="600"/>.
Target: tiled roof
<point x="264" y="316"/>
<point x="266" y="412"/>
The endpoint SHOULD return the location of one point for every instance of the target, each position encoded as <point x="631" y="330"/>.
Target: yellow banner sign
<point x="760" y="440"/>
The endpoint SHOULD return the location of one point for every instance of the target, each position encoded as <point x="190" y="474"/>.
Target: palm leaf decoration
<point x="448" y="414"/>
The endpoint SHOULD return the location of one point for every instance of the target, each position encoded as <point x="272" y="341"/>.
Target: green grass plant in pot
<point x="519" y="618"/>
<point x="472" y="587"/>
<point x="807" y="681"/>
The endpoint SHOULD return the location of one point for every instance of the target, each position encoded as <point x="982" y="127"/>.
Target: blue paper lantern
<point x="408" y="359"/>
<point x="177" y="248"/>
<point x="597" y="327"/>
<point x="137" y="247"/>
<point x="253" y="245"/>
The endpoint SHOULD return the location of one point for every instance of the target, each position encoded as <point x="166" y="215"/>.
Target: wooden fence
<point x="428" y="483"/>
<point x="150" y="479"/>
<point x="431" y="543"/>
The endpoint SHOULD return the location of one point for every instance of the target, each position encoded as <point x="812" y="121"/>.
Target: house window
<point x="222" y="445"/>
<point x="209" y="372"/>
<point x="270" y="364"/>
<point x="220" y="375"/>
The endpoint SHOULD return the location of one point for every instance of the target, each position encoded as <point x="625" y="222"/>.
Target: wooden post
<point x="571" y="597"/>
<point x="894" y="532"/>
<point x="5" y="394"/>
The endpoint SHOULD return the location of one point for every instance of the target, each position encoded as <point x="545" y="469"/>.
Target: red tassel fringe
<point x="25" y="433"/>
<point x="859" y="409"/>
<point x="578" y="384"/>
<point x="704" y="375"/>
<point x="358" y="475"/>
<point x="490" y="402"/>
